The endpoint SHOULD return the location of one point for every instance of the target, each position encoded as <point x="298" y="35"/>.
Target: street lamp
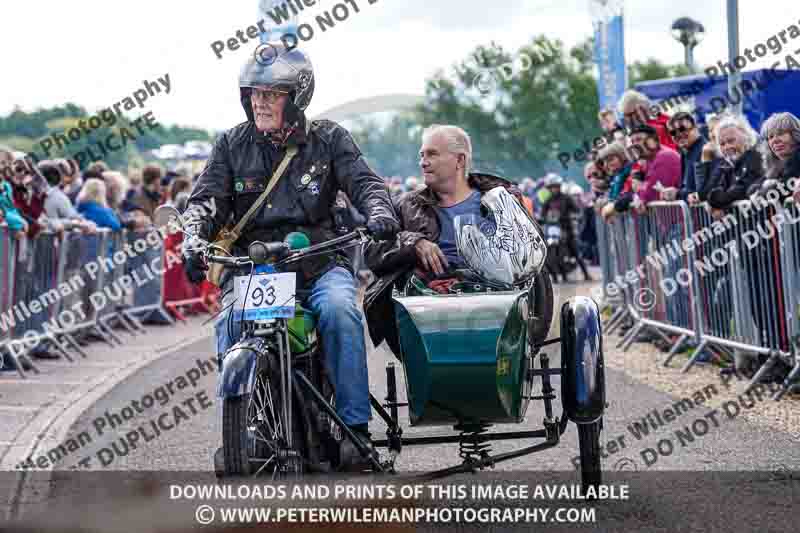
<point x="689" y="33"/>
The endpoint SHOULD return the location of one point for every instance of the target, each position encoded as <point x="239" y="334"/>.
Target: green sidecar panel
<point x="465" y="357"/>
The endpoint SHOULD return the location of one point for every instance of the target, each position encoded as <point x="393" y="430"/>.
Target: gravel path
<point x="643" y="363"/>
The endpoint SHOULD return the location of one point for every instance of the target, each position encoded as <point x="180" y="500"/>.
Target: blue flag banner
<point x="609" y="50"/>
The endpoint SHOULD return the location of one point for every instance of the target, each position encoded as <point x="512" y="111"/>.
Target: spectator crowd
<point x="646" y="157"/>
<point x="649" y="158"/>
<point x="55" y="196"/>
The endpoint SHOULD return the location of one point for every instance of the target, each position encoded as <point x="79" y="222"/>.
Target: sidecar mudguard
<point x="583" y="390"/>
<point x="238" y="369"/>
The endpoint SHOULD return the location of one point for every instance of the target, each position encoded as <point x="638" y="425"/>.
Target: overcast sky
<point x="96" y="52"/>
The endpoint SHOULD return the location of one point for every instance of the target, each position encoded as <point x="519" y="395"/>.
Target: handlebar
<point x="228" y="261"/>
<point x="279" y="253"/>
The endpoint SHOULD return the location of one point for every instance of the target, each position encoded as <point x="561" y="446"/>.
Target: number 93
<point x="263" y="296"/>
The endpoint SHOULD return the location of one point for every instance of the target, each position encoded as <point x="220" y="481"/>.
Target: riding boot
<point x="350" y="459"/>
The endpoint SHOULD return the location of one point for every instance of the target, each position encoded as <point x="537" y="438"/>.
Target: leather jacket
<point x="391" y="261"/>
<point x="730" y="183"/>
<point x="564" y="208"/>
<point x="242" y="163"/>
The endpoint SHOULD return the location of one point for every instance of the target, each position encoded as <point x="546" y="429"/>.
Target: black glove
<point x="194" y="266"/>
<point x="383" y="228"/>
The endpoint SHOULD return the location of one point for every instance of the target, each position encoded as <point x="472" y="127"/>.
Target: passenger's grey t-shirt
<point x="446" y="215"/>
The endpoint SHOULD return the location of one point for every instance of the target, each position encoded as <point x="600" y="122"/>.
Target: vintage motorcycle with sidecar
<point x="470" y="358"/>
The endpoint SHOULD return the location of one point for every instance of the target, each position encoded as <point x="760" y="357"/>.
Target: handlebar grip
<point x="262" y="252"/>
<point x="222" y="260"/>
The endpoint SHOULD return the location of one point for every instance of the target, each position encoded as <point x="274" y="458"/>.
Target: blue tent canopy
<point x="764" y="91"/>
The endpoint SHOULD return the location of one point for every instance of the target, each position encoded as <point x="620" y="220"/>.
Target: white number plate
<point x="269" y="295"/>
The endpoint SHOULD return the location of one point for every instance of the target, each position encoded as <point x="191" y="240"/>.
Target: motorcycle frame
<point x="293" y="381"/>
<point x="551" y="432"/>
<point x="553" y="428"/>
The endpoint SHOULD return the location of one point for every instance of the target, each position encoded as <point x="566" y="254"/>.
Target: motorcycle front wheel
<point x="254" y="436"/>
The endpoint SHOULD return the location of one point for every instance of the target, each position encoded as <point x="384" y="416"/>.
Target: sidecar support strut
<point x="455" y="439"/>
<point x="552" y="435"/>
<point x="365" y="451"/>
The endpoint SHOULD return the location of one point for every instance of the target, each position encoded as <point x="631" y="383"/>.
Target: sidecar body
<point x="465" y="357"/>
<point x="470" y="358"/>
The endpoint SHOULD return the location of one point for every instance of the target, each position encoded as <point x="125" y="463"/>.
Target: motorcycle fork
<point x="285" y="363"/>
<point x="279" y="334"/>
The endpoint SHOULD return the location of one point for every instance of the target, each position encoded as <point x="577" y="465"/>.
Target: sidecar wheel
<point x="589" y="444"/>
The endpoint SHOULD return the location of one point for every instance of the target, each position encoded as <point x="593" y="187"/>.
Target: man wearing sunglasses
<point x="683" y="128"/>
<point x="274" y="93"/>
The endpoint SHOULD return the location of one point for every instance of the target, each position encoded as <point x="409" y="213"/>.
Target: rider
<point x="562" y="207"/>
<point x="426" y="244"/>
<point x="244" y="158"/>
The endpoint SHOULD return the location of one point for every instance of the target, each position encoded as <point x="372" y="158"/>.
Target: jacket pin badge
<point x="306" y="179"/>
<point x="239" y="186"/>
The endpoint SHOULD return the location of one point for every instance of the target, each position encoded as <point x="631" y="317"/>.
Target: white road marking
<point x="20" y="408"/>
<point x="39" y="382"/>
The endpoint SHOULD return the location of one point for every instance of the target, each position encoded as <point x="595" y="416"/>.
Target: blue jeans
<point x="339" y="323"/>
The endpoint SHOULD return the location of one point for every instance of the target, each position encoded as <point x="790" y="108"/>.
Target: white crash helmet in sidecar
<point x="505" y="247"/>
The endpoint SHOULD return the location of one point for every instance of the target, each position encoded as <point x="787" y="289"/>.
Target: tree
<point x="391" y="149"/>
<point x="520" y="117"/>
<point x="533" y="111"/>
<point x="654" y="70"/>
<point x="25" y="131"/>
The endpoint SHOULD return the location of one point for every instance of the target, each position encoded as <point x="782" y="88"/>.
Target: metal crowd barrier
<point x="118" y="294"/>
<point x="80" y="268"/>
<point x="656" y="305"/>
<point x="49" y="303"/>
<point x="730" y="283"/>
<point x="146" y="271"/>
<point x="8" y="262"/>
<point x="36" y="287"/>
<point x="604" y="255"/>
<point x="790" y="257"/>
<point x="59" y="287"/>
<point x="620" y="264"/>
